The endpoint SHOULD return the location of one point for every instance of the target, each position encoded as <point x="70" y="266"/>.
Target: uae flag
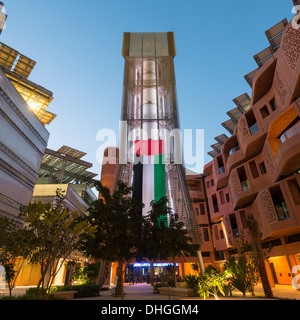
<point x="149" y="174"/>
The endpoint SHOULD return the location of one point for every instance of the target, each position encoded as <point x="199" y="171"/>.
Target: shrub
<point x="86" y="290"/>
<point x="192" y="282"/>
<point x="83" y="290"/>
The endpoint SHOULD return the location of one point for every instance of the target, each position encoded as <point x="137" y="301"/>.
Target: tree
<point x="169" y="235"/>
<point x="152" y="245"/>
<point x="241" y="269"/>
<point x="242" y="273"/>
<point x="15" y="247"/>
<point x="258" y="254"/>
<point x="178" y="241"/>
<point x="119" y="224"/>
<point x="55" y="234"/>
<point x="211" y="282"/>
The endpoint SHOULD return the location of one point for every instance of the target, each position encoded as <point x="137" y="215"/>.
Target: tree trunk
<point x="151" y="273"/>
<point x="174" y="266"/>
<point x="201" y="263"/>
<point x="120" y="283"/>
<point x="265" y="280"/>
<point x="122" y="280"/>
<point x="100" y="279"/>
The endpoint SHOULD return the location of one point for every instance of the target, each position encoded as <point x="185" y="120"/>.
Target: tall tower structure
<point x="150" y="140"/>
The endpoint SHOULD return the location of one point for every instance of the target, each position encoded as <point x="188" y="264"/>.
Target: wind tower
<point x="150" y="139"/>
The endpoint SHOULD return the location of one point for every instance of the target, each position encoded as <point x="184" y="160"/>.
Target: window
<point x="279" y="203"/>
<point x="205" y="234"/>
<point x="243" y="179"/>
<point x="215" y="203"/>
<point x="221" y="234"/>
<point x="222" y="197"/>
<point x="243" y="219"/>
<point x="202" y="210"/>
<point x="252" y="124"/>
<point x="264" y="112"/>
<point x="216" y="232"/>
<point x="273" y="105"/>
<point x="234" y="225"/>
<point x="212" y="183"/>
<point x="253" y="169"/>
<point x="295" y="190"/>
<point x="219" y="255"/>
<point x="291" y="130"/>
<point x="234" y="149"/>
<point x="197" y="211"/>
<point x="262" y="168"/>
<point x="221" y="165"/>
<point x="227" y="197"/>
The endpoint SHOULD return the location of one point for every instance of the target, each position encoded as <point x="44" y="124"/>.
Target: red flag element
<point x="149" y="147"/>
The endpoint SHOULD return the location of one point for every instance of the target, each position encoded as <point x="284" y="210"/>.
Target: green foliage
<point x="212" y="282"/>
<point x="14" y="244"/>
<point x="83" y="290"/>
<point x="86" y="290"/>
<point x="241" y="273"/>
<point x="171" y="239"/>
<point x="55" y="233"/>
<point x="191" y="282"/>
<point x="87" y="274"/>
<point x="119" y="223"/>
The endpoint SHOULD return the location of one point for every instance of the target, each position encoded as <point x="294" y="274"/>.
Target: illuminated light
<point x="32" y="105"/>
<point x="138" y="265"/>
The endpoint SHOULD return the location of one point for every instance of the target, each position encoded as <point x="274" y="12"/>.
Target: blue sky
<point x="77" y="46"/>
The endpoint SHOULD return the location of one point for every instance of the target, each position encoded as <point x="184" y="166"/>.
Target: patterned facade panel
<point x="267" y="206"/>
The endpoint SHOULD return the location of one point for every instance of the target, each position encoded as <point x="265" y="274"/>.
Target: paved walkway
<point x="144" y="292"/>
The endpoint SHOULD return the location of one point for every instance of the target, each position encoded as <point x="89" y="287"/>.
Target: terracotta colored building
<point x="257" y="169"/>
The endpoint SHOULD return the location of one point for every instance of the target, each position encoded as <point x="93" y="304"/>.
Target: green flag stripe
<point x="160" y="189"/>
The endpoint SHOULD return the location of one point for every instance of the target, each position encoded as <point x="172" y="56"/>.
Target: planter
<point x="181" y="292"/>
<point x="68" y="295"/>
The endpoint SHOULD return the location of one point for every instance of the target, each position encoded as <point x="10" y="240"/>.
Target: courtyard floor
<point x="143" y="291"/>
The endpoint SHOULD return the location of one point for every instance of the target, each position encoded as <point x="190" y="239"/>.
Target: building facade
<point x="257" y="169"/>
<point x="23" y="136"/>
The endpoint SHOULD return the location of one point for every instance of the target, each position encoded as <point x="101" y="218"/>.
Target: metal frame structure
<point x="65" y="166"/>
<point x="150" y="107"/>
<point x="17" y="68"/>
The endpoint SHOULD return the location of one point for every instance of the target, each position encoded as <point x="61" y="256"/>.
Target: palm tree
<point x="258" y="254"/>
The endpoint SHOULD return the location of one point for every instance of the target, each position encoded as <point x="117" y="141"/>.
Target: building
<point x="63" y="169"/>
<point x="23" y="136"/>
<point x="256" y="170"/>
